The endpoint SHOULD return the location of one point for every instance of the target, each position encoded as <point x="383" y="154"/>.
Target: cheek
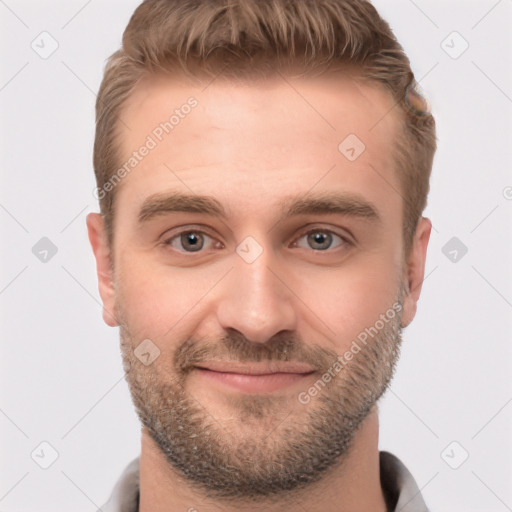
<point x="348" y="299"/>
<point x="156" y="301"/>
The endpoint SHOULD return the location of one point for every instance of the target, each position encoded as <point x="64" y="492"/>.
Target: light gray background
<point x="61" y="374"/>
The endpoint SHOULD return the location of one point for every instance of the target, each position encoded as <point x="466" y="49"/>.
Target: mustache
<point x="235" y="347"/>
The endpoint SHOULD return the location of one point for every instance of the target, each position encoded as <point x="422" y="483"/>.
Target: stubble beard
<point x="271" y="444"/>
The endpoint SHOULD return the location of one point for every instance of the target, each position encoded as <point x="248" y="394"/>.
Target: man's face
<point x="306" y="256"/>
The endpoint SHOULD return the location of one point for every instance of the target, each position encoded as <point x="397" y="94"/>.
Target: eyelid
<point x="310" y="229"/>
<point x="170" y="235"/>
<point x="179" y="230"/>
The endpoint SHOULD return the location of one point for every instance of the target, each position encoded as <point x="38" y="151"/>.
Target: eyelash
<point x="344" y="240"/>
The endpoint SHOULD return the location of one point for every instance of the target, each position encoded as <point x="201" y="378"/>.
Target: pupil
<point x="191" y="241"/>
<point x="321" y="239"/>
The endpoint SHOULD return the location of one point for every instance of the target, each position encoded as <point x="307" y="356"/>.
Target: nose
<point x="255" y="301"/>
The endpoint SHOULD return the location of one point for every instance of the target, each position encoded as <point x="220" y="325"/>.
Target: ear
<point x="101" y="250"/>
<point x="414" y="270"/>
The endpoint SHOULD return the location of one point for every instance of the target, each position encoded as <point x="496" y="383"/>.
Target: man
<point x="262" y="167"/>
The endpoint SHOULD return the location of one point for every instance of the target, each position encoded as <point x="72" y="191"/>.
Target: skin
<point x="253" y="146"/>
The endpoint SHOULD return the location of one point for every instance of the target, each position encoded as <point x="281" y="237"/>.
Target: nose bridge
<point x="254" y="301"/>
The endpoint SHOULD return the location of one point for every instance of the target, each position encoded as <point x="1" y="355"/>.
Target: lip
<point x="256" y="368"/>
<point x="255" y="378"/>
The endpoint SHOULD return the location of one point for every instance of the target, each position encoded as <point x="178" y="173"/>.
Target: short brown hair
<point x="249" y="37"/>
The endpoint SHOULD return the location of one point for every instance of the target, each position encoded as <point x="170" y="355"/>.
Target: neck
<point x="353" y="486"/>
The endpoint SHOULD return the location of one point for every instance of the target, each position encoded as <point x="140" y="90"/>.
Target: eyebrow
<point x="161" y="204"/>
<point x="306" y="204"/>
<point x="331" y="203"/>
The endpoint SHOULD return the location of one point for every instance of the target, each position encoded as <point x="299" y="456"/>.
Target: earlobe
<point x="414" y="271"/>
<point x="102" y="254"/>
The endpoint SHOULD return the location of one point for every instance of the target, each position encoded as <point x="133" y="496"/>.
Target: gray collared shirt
<point x="399" y="487"/>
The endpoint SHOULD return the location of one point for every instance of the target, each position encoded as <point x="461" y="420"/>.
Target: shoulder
<point x="399" y="487"/>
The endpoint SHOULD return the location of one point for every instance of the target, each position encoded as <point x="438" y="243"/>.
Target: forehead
<point x="261" y="138"/>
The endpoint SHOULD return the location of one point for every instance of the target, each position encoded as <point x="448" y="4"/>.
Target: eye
<point x="190" y="241"/>
<point x="320" y="240"/>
